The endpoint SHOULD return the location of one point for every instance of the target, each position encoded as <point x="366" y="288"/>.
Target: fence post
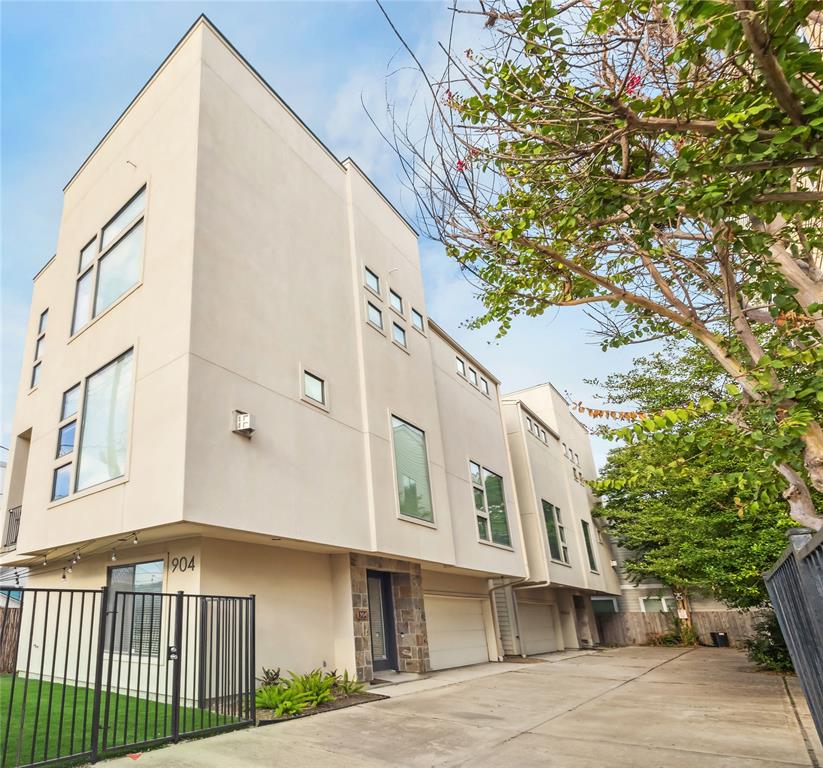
<point x="174" y="656"/>
<point x="98" y="674"/>
<point x="252" y="664"/>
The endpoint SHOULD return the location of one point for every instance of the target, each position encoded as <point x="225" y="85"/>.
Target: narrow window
<point x="372" y="280"/>
<point x="489" y="505"/>
<point x="65" y="438"/>
<point x="417" y="320"/>
<point x="460" y="365"/>
<point x="473" y="376"/>
<point x="396" y="301"/>
<point x="71" y="399"/>
<point x="412" y="470"/>
<point x="104" y="434"/>
<point x="118" y="269"/>
<point x="587" y="537"/>
<point x="82" y="301"/>
<point x="39" y="348"/>
<point x="314" y="388"/>
<point x="128" y="213"/>
<point x="555" y="532"/>
<point x="41" y="325"/>
<point x="528" y="424"/>
<point x="35" y="375"/>
<point x="399" y="334"/>
<point x="137" y="616"/>
<point x="60" y="483"/>
<point x="87" y="254"/>
<point x="484" y="385"/>
<point x="374" y="315"/>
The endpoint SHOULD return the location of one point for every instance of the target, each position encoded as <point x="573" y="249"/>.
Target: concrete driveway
<point x="625" y="707"/>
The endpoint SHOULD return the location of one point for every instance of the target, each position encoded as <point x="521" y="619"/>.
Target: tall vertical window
<point x="412" y="469"/>
<point x="473" y="376"/>
<point x="372" y="281"/>
<point x="39" y="347"/>
<point x="136" y="616"/>
<point x="396" y="301"/>
<point x="556" y="533"/>
<point x="489" y="505"/>
<point x="374" y="315"/>
<point x="484" y="385"/>
<point x="66" y="438"/>
<point x="399" y="334"/>
<point x="460" y="366"/>
<point x="104" y="434"/>
<point x="314" y="388"/>
<point x="107" y="271"/>
<point x="587" y="537"/>
<point x="417" y="320"/>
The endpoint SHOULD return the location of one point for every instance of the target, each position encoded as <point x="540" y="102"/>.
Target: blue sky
<point x="69" y="69"/>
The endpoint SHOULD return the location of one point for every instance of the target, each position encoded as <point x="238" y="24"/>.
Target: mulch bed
<point x="266" y="716"/>
<point x="521" y="660"/>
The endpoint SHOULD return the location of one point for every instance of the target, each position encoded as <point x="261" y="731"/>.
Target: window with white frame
<point x="39" y="347"/>
<point x="110" y="263"/>
<point x="529" y="425"/>
<point x="556" y="533"/>
<point x="412" y="471"/>
<point x="135" y="601"/>
<point x="103" y="443"/>
<point x="484" y="386"/>
<point x="587" y="538"/>
<point x="371" y="280"/>
<point x="473" y="376"/>
<point x="399" y="334"/>
<point x="314" y="388"/>
<point x="417" y="320"/>
<point x="66" y="440"/>
<point x="489" y="505"/>
<point x="395" y="301"/>
<point x="460" y="366"/>
<point x="374" y="316"/>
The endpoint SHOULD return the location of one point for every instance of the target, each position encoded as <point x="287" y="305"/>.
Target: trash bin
<point x="720" y="639"/>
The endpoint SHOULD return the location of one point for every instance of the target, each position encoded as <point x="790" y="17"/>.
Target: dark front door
<point x="381" y="621"/>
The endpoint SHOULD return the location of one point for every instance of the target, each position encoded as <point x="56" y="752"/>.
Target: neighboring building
<point x="569" y="559"/>
<point x="231" y="386"/>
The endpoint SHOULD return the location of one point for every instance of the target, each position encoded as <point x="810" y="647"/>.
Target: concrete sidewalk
<point x="632" y="707"/>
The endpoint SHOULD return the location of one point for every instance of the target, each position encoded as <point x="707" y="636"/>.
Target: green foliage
<point x="348" y="686"/>
<point x="681" y="634"/>
<point x="283" y="700"/>
<point x="767" y="647"/>
<point x="316" y="685"/>
<point x="695" y="500"/>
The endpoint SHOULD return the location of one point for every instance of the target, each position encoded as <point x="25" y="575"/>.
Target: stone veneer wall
<point x="409" y="615"/>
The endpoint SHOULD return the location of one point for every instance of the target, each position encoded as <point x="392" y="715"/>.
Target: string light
<point x="68" y="569"/>
<point x="16" y="578"/>
<point x="76" y="555"/>
<point x="45" y="560"/>
<point x="134" y="538"/>
<point x="64" y="574"/>
<point x="113" y="555"/>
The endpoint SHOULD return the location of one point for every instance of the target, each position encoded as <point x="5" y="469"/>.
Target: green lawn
<point x="63" y="726"/>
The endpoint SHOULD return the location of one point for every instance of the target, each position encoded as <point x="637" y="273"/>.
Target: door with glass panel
<point x="381" y="621"/>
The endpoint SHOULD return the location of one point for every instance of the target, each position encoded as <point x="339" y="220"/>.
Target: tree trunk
<point x="813" y="454"/>
<point x="801" y="506"/>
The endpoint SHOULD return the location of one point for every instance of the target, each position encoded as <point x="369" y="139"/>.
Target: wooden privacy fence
<point x="637" y="628"/>
<point x="10" y="622"/>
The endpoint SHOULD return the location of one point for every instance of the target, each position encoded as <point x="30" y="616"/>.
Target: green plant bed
<point x="71" y="709"/>
<point x="268" y="717"/>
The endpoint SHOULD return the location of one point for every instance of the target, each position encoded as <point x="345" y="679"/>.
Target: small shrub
<point x="269" y="677"/>
<point x="348" y="686"/>
<point x="680" y="634"/>
<point x="316" y="685"/>
<point x="767" y="648"/>
<point x="282" y="700"/>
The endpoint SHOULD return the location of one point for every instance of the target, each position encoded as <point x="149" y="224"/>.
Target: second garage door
<point x="456" y="631"/>
<point x="536" y="627"/>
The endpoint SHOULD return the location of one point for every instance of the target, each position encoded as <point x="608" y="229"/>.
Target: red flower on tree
<point x="632" y="84"/>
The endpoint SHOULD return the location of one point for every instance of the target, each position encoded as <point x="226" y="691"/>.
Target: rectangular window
<point x="314" y="387"/>
<point x="104" y="433"/>
<point x="473" y="376"/>
<point x="556" y="533"/>
<point x="489" y="505"/>
<point x="71" y="399"/>
<point x="528" y="424"/>
<point x="41" y="325"/>
<point x="60" y="483"/>
<point x="399" y="334"/>
<point x="484" y="385"/>
<point x="417" y="320"/>
<point x="39" y="347"/>
<point x="412" y="469"/>
<point x="460" y="366"/>
<point x="105" y="275"/>
<point x="372" y="281"/>
<point x="374" y="316"/>
<point x="136" y="616"/>
<point x="35" y="375"/>
<point x="396" y="301"/>
<point x="65" y="438"/>
<point x="587" y="538"/>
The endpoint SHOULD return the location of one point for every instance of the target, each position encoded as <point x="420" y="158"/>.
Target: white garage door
<point x="536" y="627"/>
<point x="456" y="631"/>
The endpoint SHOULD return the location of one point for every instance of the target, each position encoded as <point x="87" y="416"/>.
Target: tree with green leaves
<point x="660" y="163"/>
<point x="700" y="530"/>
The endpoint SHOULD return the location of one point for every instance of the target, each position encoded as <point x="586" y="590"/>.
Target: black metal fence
<point x="795" y="587"/>
<point x="12" y="528"/>
<point x="93" y="673"/>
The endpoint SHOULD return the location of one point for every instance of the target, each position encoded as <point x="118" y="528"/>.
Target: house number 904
<point x="182" y="563"/>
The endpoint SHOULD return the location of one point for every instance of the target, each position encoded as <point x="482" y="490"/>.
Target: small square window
<point x="71" y="398"/>
<point x="375" y="316"/>
<point x="473" y="376"/>
<point x="314" y="387"/>
<point x="474" y="470"/>
<point x="461" y="366"/>
<point x="399" y="334"/>
<point x="372" y="280"/>
<point x="484" y="385"/>
<point x="396" y="301"/>
<point x="41" y="326"/>
<point x="60" y="483"/>
<point x="87" y="255"/>
<point x="65" y="439"/>
<point x="35" y="375"/>
<point x="417" y="320"/>
<point x="39" y="347"/>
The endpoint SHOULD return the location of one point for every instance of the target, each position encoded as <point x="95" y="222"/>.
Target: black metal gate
<point x="91" y="673"/>
<point x="795" y="586"/>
